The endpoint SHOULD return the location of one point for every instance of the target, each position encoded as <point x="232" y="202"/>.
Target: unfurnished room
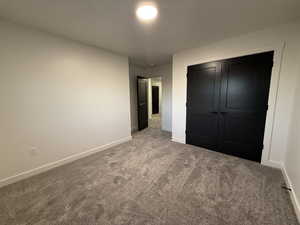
<point x="159" y="112"/>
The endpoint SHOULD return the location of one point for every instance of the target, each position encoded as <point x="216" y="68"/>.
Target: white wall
<point x="269" y="39"/>
<point x="134" y="72"/>
<point x="58" y="99"/>
<point x="292" y="160"/>
<point x="149" y="98"/>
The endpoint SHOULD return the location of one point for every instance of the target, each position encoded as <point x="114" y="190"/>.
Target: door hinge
<point x="286" y="188"/>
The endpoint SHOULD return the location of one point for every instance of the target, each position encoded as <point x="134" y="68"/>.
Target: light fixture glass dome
<point x="146" y="12"/>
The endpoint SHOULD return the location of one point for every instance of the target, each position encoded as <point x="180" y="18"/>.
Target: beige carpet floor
<point x="151" y="181"/>
<point x="155" y="121"/>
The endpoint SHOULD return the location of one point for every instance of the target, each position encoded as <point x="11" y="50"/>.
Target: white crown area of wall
<point x="60" y="101"/>
<point x="284" y="41"/>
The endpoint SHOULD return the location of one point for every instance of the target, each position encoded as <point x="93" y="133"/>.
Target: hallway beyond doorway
<point x="161" y="77"/>
<point x="155" y="121"/>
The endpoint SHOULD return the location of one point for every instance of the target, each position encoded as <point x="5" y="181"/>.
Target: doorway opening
<point x="150" y="107"/>
<point x="155" y="100"/>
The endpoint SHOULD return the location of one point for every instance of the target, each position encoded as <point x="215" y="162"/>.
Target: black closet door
<point x="244" y="104"/>
<point x="227" y="104"/>
<point x="203" y="90"/>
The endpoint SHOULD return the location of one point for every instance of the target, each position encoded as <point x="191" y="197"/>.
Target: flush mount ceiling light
<point x="146" y="12"/>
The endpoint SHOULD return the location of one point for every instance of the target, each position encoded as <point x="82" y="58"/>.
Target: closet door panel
<point x="243" y="105"/>
<point x="203" y="89"/>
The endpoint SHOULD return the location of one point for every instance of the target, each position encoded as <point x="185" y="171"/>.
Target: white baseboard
<point x="273" y="164"/>
<point x="295" y="201"/>
<point x="49" y="166"/>
<point x="167" y="130"/>
<point x="174" y="139"/>
<point x="134" y="129"/>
